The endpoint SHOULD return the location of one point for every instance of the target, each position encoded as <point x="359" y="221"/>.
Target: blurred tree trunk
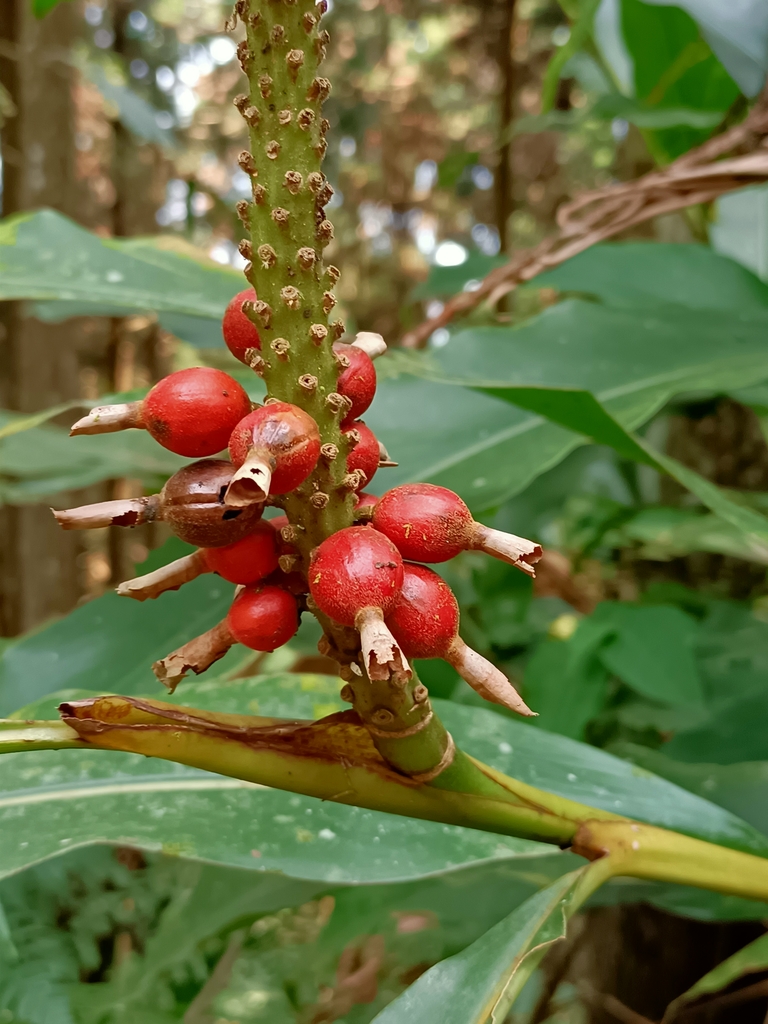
<point x="139" y="173"/>
<point x="503" y="180"/>
<point x="39" y="573"/>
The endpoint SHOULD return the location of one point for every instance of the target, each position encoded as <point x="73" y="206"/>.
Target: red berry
<point x="239" y="332"/>
<point x="192" y="503"/>
<point x="274" y="448"/>
<point x="432" y="524"/>
<point x="425" y="617"/>
<point x="365" y="454"/>
<point x="192" y="412"/>
<point x="353" y="569"/>
<point x="425" y="621"/>
<point x="263" y="617"/>
<point x="355" y="577"/>
<point x="248" y="560"/>
<point x="356" y="381"/>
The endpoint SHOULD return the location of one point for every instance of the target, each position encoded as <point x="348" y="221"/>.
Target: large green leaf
<point x="463" y="440"/>
<point x="40" y="462"/>
<point x="46" y="256"/>
<point x="570" y="377"/>
<point x="741" y="788"/>
<point x="42" y="7"/>
<point x="480" y="984"/>
<point x="673" y="67"/>
<point x="482" y="450"/>
<point x="566" y="682"/>
<point x="110" y="643"/>
<point x="741" y="42"/>
<point x="647" y="274"/>
<point x="652" y="651"/>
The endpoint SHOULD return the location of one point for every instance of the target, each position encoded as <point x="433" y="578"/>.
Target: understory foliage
<point x="139" y="889"/>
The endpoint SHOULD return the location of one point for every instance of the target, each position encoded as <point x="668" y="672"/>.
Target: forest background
<point x="457" y="131"/>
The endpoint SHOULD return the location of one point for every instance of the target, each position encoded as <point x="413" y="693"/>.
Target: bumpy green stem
<point x="334" y="759"/>
<point x="281" y="55"/>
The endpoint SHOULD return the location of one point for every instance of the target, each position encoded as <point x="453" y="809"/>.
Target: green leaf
<point x="741" y="788"/>
<point x="740" y="43"/>
<point x="737" y="732"/>
<point x="650" y="274"/>
<point x="583" y="411"/>
<point x="670" y="306"/>
<point x="673" y="67"/>
<point x="41" y="7"/>
<point x="665" y="533"/>
<point x="616" y="105"/>
<point x="480" y="984"/>
<point x="579" y="34"/>
<point x="110" y="643"/>
<point x="77" y="797"/>
<point x="565" y="681"/>
<point x="138" y="116"/>
<point x="652" y="651"/>
<point x="67" y="801"/>
<point x="483" y="450"/>
<point x="46" y="256"/>
<point x="752" y="958"/>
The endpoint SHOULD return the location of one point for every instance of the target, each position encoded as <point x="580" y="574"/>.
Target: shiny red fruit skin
<point x="352" y="569"/>
<point x="427" y="523"/>
<point x="192" y="412"/>
<point x="425" y="617"/>
<point x="263" y="617"/>
<point x="288" y="434"/>
<point x="357" y="382"/>
<point x="248" y="560"/>
<point x="365" y="454"/>
<point x="239" y="333"/>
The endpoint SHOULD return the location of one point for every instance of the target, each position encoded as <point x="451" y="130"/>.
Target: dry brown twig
<point x="698" y="176"/>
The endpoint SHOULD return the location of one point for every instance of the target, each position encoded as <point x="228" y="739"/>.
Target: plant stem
<point x="17" y="735"/>
<point x="288" y="228"/>
<point x="334" y="759"/>
<point x="288" y="231"/>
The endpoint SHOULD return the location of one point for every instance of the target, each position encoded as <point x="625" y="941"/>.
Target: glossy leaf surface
<point x="480" y="983"/>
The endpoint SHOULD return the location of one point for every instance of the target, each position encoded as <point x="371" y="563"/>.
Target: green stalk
<point x="288" y="228"/>
<point x="334" y="759"/>
<point x="281" y="57"/>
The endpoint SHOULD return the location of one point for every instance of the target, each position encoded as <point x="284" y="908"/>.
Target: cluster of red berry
<point x="364" y="576"/>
